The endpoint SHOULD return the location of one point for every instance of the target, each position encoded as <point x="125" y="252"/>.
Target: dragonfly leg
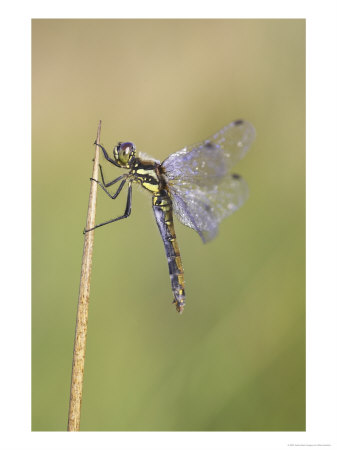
<point x="103" y="186"/>
<point x="111" y="182"/>
<point x="124" y="216"/>
<point x="106" y="156"/>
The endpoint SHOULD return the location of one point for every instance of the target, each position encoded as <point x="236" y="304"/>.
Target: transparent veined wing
<point x="202" y="189"/>
<point x="214" y="157"/>
<point x="203" y="208"/>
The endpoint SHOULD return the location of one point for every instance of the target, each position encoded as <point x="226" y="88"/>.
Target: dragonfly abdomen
<point x="162" y="207"/>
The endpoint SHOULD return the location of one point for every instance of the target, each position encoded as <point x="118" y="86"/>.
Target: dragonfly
<point x="195" y="184"/>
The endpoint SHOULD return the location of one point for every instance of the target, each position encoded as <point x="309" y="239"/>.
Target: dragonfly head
<point x="124" y="154"/>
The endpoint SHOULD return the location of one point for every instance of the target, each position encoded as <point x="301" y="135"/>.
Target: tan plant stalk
<point x="83" y="305"/>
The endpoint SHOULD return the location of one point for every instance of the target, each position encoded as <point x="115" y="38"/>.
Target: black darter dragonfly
<point x="194" y="183"/>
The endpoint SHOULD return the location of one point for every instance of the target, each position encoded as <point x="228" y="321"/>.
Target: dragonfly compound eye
<point x="126" y="151"/>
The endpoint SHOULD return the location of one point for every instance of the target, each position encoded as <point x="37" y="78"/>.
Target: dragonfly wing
<point x="203" y="192"/>
<point x="203" y="208"/>
<point x="210" y="160"/>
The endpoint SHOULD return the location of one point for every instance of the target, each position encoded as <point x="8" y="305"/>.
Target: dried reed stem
<point x="83" y="305"/>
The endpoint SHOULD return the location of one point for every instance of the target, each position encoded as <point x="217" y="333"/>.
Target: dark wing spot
<point x="209" y="145"/>
<point x="236" y="176"/>
<point x="238" y="122"/>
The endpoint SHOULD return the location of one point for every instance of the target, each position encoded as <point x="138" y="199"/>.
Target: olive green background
<point x="235" y="360"/>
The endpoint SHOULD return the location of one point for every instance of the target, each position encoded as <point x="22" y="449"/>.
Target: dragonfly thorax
<point x="147" y="174"/>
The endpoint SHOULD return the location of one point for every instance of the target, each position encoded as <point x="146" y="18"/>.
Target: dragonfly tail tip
<point x="179" y="307"/>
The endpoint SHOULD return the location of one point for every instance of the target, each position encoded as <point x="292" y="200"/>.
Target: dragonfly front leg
<point x="124" y="216"/>
<point x="106" y="156"/>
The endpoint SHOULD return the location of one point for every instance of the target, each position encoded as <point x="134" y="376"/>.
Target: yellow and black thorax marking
<point x="147" y="173"/>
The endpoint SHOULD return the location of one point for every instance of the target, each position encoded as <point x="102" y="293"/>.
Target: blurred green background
<point x="235" y="360"/>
